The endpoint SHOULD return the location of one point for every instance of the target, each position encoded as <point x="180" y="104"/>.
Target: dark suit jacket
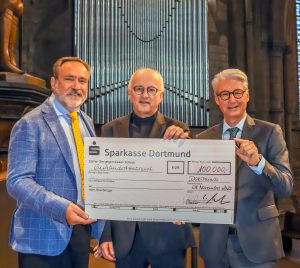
<point x="159" y="237"/>
<point x="256" y="214"/>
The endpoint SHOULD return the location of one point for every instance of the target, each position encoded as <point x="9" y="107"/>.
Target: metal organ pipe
<point x="117" y="37"/>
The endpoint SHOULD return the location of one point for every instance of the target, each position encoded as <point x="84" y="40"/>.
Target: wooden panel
<point x="8" y="258"/>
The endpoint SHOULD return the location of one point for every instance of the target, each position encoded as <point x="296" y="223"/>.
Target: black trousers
<point x="76" y="254"/>
<point x="141" y="257"/>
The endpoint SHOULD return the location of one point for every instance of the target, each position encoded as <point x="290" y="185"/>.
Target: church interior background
<point x="187" y="40"/>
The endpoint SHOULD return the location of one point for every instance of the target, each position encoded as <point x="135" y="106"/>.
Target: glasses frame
<point x="235" y="94"/>
<point x="150" y="93"/>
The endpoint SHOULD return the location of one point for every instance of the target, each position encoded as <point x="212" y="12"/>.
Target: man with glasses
<point x="138" y="244"/>
<point x="262" y="172"/>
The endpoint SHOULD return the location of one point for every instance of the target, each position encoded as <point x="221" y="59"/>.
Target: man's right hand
<point x="175" y="132"/>
<point x="107" y="250"/>
<point x="75" y="215"/>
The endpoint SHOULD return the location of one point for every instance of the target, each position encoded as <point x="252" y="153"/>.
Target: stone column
<point x="261" y="67"/>
<point x="236" y="34"/>
<point x="250" y="52"/>
<point x="217" y="50"/>
<point x="277" y="90"/>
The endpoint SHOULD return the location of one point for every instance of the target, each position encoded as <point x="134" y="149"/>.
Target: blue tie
<point x="233" y="131"/>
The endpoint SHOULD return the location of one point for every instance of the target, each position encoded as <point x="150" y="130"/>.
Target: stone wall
<point x="47" y="34"/>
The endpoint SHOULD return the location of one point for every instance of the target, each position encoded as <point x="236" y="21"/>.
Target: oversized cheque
<point x="160" y="180"/>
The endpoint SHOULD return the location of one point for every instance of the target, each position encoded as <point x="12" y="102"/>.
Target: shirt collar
<point x="240" y="125"/>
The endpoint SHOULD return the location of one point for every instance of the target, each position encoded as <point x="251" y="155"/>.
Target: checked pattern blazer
<point x="41" y="178"/>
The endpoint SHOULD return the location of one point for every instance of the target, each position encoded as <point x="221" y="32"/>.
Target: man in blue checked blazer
<point x="49" y="226"/>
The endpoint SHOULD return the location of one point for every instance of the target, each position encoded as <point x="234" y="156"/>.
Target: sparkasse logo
<point x="94" y="149"/>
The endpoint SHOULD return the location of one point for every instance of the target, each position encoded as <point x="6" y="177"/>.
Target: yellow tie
<point x="79" y="147"/>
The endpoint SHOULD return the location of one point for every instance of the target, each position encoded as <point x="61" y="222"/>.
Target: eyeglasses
<point x="152" y="91"/>
<point x="237" y="93"/>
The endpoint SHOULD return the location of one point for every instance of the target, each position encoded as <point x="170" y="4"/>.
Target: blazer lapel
<point x="52" y="121"/>
<point x="122" y="127"/>
<point x="216" y="133"/>
<point x="247" y="134"/>
<point x="88" y="124"/>
<point x="248" y="128"/>
<point x="159" y="126"/>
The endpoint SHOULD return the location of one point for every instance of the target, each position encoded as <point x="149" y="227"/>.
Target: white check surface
<point x="160" y="180"/>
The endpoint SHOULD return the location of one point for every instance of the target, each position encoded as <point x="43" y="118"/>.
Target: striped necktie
<point x="233" y="131"/>
<point x="79" y="147"/>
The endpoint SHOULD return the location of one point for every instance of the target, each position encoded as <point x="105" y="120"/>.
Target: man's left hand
<point x="247" y="151"/>
<point x="175" y="132"/>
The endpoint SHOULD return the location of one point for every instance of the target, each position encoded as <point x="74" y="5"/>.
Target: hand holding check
<point x="247" y="151"/>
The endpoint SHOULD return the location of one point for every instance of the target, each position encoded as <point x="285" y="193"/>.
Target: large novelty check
<point x="160" y="180"/>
